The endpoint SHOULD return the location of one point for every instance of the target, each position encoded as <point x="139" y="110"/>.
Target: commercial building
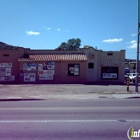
<point x="20" y="65"/>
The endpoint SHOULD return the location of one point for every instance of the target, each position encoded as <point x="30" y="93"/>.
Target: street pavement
<point x="66" y="92"/>
<point x="101" y="119"/>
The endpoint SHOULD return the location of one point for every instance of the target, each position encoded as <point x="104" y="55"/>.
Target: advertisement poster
<point x="2" y="71"/>
<point x="29" y="66"/>
<point x="47" y="66"/>
<point x="46" y="72"/>
<point x="76" y="69"/>
<point x="50" y="65"/>
<point x="7" y="71"/>
<point x="40" y="66"/>
<point x="29" y="77"/>
<point x="7" y="78"/>
<point x="45" y="77"/>
<point x="2" y="78"/>
<point x="5" y="64"/>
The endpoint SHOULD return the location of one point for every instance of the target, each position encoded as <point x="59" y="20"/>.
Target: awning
<point x="54" y="57"/>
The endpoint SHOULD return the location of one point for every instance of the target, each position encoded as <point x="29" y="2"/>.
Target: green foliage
<point x="71" y="44"/>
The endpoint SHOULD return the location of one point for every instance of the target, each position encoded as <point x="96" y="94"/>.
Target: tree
<point x="71" y="44"/>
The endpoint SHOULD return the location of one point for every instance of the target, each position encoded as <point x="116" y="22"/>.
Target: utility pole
<point x="137" y="66"/>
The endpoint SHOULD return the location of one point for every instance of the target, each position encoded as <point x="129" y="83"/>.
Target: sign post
<point x="137" y="66"/>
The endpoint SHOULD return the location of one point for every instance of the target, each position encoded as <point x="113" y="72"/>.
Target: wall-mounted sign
<point x="8" y="72"/>
<point x="29" y="66"/>
<point x="45" y="77"/>
<point x="40" y="66"/>
<point x="7" y="78"/>
<point x="46" y="70"/>
<point x="110" y="63"/>
<point x="91" y="56"/>
<point x="5" y="64"/>
<point x="5" y="72"/>
<point x="29" y="77"/>
<point x="46" y="66"/>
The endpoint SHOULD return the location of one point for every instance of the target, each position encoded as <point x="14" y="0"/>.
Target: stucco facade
<point x="21" y="65"/>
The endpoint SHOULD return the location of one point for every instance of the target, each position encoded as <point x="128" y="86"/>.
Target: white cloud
<point x="32" y="33"/>
<point x="113" y="40"/>
<point x="48" y="28"/>
<point x="133" y="34"/>
<point x="133" y="44"/>
<point x="58" y="29"/>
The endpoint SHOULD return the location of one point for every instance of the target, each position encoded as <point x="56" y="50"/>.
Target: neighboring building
<point x="105" y="66"/>
<point x="86" y="65"/>
<point x="132" y="65"/>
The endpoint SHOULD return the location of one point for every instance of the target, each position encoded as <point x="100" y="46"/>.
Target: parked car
<point x="134" y="80"/>
<point x="132" y="77"/>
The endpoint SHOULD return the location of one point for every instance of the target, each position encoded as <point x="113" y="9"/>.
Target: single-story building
<point x="20" y="65"/>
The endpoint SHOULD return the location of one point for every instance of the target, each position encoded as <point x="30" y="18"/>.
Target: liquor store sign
<point x="110" y="63"/>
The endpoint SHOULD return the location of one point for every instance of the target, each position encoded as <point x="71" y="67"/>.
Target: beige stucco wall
<point x="115" y="60"/>
<point x="99" y="59"/>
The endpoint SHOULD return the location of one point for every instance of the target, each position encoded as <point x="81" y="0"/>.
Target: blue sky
<point x="111" y="25"/>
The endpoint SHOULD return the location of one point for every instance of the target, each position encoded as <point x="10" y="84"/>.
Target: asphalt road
<point x="102" y="119"/>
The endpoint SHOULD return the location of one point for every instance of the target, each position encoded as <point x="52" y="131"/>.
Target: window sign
<point x="73" y="69"/>
<point x="109" y="73"/>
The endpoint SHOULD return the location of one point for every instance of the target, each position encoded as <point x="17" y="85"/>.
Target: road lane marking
<point x="62" y="121"/>
<point x="66" y="108"/>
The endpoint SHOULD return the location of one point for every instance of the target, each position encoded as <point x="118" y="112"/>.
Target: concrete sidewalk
<point x="66" y="91"/>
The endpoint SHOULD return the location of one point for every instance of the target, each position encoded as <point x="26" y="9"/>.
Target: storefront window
<point x="90" y="65"/>
<point x="109" y="73"/>
<point x="73" y="69"/>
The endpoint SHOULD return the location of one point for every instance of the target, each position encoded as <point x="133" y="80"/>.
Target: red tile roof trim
<point x="54" y="57"/>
